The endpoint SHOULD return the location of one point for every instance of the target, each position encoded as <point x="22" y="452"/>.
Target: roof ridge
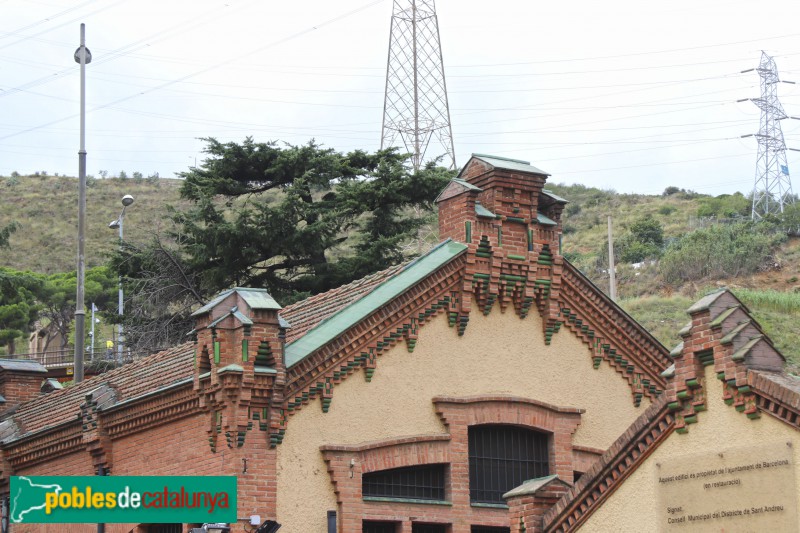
<point x="479" y="156"/>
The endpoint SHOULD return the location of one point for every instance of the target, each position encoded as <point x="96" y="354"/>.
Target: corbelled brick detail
<point x="513" y="260"/>
<point x="723" y="334"/>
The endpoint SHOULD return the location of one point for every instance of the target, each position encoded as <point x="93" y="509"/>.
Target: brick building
<point x="473" y="389"/>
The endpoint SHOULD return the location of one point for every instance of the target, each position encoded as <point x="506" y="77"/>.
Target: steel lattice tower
<point x="773" y="187"/>
<point x="415" y="108"/>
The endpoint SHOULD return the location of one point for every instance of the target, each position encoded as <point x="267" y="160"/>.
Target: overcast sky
<point x="625" y="95"/>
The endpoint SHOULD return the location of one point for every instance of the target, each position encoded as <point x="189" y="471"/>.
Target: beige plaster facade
<point x="498" y="354"/>
<point x="633" y="506"/>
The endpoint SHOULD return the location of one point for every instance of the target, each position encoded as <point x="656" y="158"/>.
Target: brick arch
<point x="346" y="464"/>
<point x="510" y="410"/>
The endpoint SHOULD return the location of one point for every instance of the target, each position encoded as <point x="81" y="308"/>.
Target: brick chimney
<point x="20" y="381"/>
<point x="511" y="225"/>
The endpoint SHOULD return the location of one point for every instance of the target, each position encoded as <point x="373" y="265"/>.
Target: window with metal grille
<point x="503" y="457"/>
<point x="489" y="529"/>
<point x="428" y="528"/>
<point x="371" y="526"/>
<point x="425" y="482"/>
<point x="165" y="528"/>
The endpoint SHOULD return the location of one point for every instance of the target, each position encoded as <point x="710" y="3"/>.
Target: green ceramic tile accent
<point x="216" y="352"/>
<point x="500" y="236"/>
<point x="516" y="219"/>
<point x="245" y="344"/>
<point x="351" y="315"/>
<point x="468" y="229"/>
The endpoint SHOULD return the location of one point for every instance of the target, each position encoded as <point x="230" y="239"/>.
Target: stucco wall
<point x="633" y="506"/>
<point x="498" y="354"/>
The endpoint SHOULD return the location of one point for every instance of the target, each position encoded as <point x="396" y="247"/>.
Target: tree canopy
<point x="296" y="220"/>
<point x="19" y="307"/>
<point x="5" y="233"/>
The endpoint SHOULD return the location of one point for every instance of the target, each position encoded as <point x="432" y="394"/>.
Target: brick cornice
<point x="148" y="412"/>
<point x="612" y="335"/>
<point x="627" y="453"/>
<point x="45" y="445"/>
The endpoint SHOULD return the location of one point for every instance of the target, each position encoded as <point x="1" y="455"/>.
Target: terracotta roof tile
<point x="307" y="313"/>
<point x="129" y="381"/>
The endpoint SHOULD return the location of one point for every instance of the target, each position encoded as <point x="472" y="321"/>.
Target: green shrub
<point x="722" y="250"/>
<point x="666" y="210"/>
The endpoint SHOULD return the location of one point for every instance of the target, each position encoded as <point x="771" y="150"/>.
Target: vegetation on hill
<point x="45" y="209"/>
<point x="253" y="213"/>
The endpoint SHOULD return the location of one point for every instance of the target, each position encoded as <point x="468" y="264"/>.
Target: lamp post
<point x="82" y="57"/>
<point x="126" y="201"/>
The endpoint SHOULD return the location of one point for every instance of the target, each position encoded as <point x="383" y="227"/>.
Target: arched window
<point x="503" y="457"/>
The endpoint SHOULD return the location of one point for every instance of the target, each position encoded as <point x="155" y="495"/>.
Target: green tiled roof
<point x="555" y="197"/>
<point x="466" y="184"/>
<point x="509" y="164"/>
<point x="336" y="324"/>
<point x="255" y="298"/>
<point x="545" y="221"/>
<point x="483" y="212"/>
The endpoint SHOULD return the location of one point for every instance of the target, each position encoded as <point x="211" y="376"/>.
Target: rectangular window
<point x="502" y="458"/>
<point x="371" y="526"/>
<point x="490" y="529"/>
<point x="425" y="482"/>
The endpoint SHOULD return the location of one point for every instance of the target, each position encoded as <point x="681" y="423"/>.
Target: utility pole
<point x="82" y="56"/>
<point x="415" y="106"/>
<point x="612" y="274"/>
<point x="773" y="186"/>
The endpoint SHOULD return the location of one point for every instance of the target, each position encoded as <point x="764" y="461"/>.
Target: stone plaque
<point x="739" y="489"/>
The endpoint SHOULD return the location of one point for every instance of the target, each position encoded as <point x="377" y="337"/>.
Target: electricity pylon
<point x="773" y="187"/>
<point x="415" y="107"/>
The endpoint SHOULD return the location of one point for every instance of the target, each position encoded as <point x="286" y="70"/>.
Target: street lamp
<point x="114" y="224"/>
<point x="82" y="57"/>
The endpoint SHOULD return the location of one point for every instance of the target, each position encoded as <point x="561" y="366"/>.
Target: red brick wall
<point x="18" y="387"/>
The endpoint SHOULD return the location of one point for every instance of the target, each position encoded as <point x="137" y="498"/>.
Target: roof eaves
<point x="510" y="164"/>
<point x="554" y="196"/>
<point x="545" y="221"/>
<point x="349" y="316"/>
<point x="468" y="185"/>
<point x="483" y="212"/>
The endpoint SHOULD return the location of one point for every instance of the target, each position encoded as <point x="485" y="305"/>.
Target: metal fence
<point x="65" y="358"/>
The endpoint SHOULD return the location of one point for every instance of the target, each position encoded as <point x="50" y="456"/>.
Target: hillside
<point x="46" y="207"/>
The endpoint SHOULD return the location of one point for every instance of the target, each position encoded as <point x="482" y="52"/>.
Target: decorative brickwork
<point x="512" y="228"/>
<point x="616" y="464"/>
<point x="723" y="334"/>
<point x="347" y="464"/>
<point x="222" y="403"/>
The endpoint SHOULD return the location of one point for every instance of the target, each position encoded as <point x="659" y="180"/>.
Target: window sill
<point x="406" y="500"/>
<point x="489" y="505"/>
